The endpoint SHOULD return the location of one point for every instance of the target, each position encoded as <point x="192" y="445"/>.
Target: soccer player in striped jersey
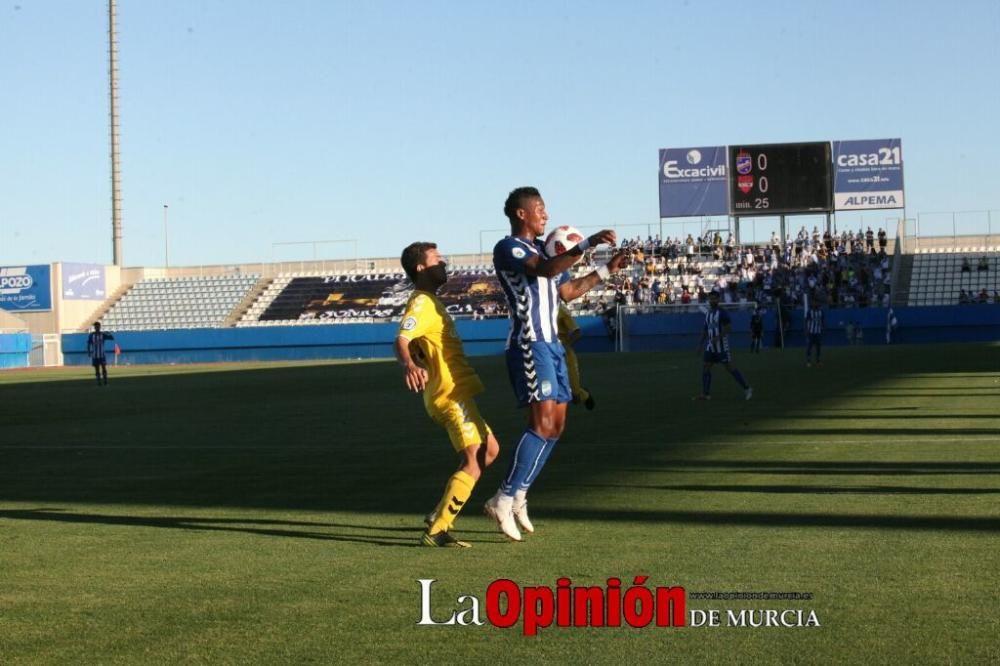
<point x="814" y="329"/>
<point x="96" y="351"/>
<point x="534" y="284"/>
<point x="715" y="342"/>
<point x="434" y="362"/>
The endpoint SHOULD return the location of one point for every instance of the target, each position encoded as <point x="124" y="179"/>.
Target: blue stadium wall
<point x="652" y="332"/>
<point x="923" y="325"/>
<point x="14" y="350"/>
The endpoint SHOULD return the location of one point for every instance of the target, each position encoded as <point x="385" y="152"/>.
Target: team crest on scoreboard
<point x="745" y="183"/>
<point x="744" y="163"/>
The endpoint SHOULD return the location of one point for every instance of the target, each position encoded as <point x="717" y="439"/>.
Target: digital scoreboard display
<point x="778" y="178"/>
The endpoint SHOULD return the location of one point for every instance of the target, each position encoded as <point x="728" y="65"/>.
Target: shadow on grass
<point x="851" y="468"/>
<point x="243" y="525"/>
<point x="791" y="520"/>
<point x="805" y="489"/>
<point x="351" y="438"/>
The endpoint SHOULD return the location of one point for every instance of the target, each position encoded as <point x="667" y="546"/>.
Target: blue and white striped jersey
<point x="533" y="301"/>
<point x="95" y="344"/>
<point x="814" y="322"/>
<point x="714" y="321"/>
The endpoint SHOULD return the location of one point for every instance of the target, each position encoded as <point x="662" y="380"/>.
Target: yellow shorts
<point x="462" y="421"/>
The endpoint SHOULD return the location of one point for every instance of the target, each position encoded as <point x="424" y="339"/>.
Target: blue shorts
<point x="717" y="357"/>
<point x="538" y="372"/>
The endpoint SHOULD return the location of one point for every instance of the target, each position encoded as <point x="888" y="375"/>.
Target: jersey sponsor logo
<point x="518" y="253"/>
<point x="409" y="324"/>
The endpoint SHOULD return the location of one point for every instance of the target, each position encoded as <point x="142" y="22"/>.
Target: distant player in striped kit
<point x="715" y="342"/>
<point x="98" y="357"/>
<point x="814" y="330"/>
<point x="756" y="329"/>
<point x="534" y="284"/>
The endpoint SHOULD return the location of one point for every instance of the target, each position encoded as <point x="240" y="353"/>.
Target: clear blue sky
<point x="388" y="122"/>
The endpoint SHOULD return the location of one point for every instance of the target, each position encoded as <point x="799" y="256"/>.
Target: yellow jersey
<point x="436" y="347"/>
<point x="566" y="323"/>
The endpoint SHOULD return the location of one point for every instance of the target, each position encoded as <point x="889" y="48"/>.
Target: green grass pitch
<point x="270" y="513"/>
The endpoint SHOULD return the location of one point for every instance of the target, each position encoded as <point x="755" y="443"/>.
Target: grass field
<point x="270" y="514"/>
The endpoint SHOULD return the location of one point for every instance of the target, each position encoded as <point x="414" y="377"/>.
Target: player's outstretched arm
<point x="576" y="288"/>
<point x="538" y="267"/>
<point x="414" y="376"/>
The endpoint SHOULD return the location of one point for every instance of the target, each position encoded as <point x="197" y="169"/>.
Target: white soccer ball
<point x="562" y="239"/>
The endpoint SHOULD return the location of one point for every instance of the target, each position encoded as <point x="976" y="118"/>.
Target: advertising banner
<point x="83" y="282"/>
<point x="693" y="182"/>
<point x="25" y="288"/>
<point x="868" y="174"/>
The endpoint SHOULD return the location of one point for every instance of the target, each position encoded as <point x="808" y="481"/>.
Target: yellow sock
<point x="456" y="494"/>
<point x="573" y="367"/>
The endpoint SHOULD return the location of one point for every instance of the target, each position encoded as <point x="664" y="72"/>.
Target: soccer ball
<point x="562" y="239"/>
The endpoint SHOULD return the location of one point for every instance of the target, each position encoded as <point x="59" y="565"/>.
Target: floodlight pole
<point x="116" y="195"/>
<point x="166" y="245"/>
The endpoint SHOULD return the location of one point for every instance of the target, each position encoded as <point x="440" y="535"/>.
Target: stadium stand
<point x="182" y="302"/>
<point x="939" y="277"/>
<point x="359" y="296"/>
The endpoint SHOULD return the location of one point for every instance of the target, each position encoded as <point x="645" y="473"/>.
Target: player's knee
<point x="470" y="462"/>
<point x="490" y="452"/>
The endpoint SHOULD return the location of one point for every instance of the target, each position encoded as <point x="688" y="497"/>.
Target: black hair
<point x="516" y="199"/>
<point x="414" y="254"/>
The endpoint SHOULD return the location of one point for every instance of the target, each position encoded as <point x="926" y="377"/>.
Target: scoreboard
<point x="777" y="178"/>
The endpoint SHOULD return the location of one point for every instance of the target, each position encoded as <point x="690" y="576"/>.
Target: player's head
<point x="97" y="325"/>
<point x="713" y="298"/>
<point x="525" y="209"/>
<point x="424" y="265"/>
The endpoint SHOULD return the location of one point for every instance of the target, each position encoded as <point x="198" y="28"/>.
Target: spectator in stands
<point x="984" y="264"/>
<point x="963" y="297"/>
<point x="434" y="363"/>
<point x="996" y="296"/>
<point x="882" y="239"/>
<point x="869" y="239"/>
<point x="966" y="268"/>
<point x="984" y="296"/>
<point x="96" y="351"/>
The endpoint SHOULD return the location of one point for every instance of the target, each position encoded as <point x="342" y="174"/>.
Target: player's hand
<point x="416" y="377"/>
<point x="621" y="259"/>
<point x="607" y="236"/>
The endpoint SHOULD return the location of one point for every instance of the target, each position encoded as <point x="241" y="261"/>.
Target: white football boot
<point x="500" y="508"/>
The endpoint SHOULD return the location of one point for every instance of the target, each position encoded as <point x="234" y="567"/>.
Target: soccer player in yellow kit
<point x="569" y="333"/>
<point x="430" y="351"/>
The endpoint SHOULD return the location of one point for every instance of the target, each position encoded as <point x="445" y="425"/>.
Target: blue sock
<point x="542" y="459"/>
<point x="738" y="376"/>
<point x="524" y="461"/>
<point x="706" y="382"/>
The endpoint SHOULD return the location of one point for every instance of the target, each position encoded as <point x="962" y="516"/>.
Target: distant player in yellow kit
<point x="430" y="351"/>
<point x="569" y="333"/>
